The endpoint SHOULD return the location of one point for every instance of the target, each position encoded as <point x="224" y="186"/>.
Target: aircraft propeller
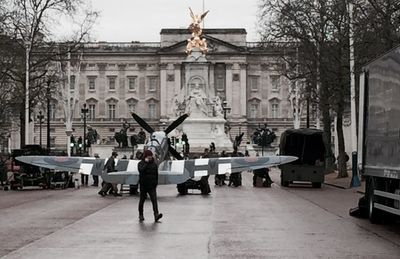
<point x="170" y="128"/>
<point x="176" y="123"/>
<point x="142" y="123"/>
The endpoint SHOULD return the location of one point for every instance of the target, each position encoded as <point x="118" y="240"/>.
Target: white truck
<point x="379" y="136"/>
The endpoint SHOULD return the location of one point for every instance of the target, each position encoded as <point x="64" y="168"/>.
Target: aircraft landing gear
<point x="201" y="185"/>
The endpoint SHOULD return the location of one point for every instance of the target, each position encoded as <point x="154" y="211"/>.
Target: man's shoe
<point x="117" y="194"/>
<point x="158" y="217"/>
<point x="141" y="218"/>
<point x="102" y="193"/>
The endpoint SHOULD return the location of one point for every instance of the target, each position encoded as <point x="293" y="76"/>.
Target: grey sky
<point x="129" y="20"/>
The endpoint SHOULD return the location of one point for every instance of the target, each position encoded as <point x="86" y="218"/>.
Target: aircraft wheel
<point x="182" y="189"/>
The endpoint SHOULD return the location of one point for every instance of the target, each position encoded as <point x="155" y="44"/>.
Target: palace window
<point x="274" y="108"/>
<point x="111" y="83"/>
<point x="92" y="82"/>
<point x="72" y="82"/>
<point x="254" y="110"/>
<point x="111" y="111"/>
<point x="220" y="74"/>
<point x="132" y="107"/>
<point x="275" y="83"/>
<point x="132" y="83"/>
<point x="131" y="103"/>
<point x="153" y="81"/>
<point x="254" y="82"/>
<point x="92" y="112"/>
<point x="152" y="110"/>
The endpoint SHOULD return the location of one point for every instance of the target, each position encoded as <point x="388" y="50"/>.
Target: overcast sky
<point x="142" y="20"/>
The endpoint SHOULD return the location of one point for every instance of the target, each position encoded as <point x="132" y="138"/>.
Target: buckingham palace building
<point x="116" y="79"/>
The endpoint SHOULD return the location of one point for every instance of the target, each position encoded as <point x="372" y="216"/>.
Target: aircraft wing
<point x="170" y="171"/>
<point x="85" y="165"/>
<point x="221" y="165"/>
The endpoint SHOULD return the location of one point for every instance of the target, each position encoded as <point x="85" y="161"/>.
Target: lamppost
<point x="84" y="111"/>
<point x="40" y="118"/>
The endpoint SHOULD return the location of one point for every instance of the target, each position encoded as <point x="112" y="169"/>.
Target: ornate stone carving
<point x="196" y="41"/>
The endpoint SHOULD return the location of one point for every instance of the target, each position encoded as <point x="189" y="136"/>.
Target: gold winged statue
<point x="195" y="27"/>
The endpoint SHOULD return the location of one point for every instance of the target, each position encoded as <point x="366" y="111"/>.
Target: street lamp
<point x="225" y="108"/>
<point x="40" y="118"/>
<point x="84" y="111"/>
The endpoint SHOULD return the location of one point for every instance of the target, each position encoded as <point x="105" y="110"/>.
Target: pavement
<point x="269" y="223"/>
<point x="344" y="183"/>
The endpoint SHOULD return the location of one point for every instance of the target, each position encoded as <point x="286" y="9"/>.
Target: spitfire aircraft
<point x="170" y="171"/>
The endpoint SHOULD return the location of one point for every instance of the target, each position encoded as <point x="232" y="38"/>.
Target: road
<point x="243" y="222"/>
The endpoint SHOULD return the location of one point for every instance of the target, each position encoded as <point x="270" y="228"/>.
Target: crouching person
<point x="110" y="167"/>
<point x="261" y="178"/>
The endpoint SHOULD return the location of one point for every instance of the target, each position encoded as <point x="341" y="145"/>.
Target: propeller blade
<point x="176" y="123"/>
<point x="142" y="123"/>
<point x="175" y="153"/>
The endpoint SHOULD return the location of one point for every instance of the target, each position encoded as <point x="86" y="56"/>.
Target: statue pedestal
<point x="202" y="131"/>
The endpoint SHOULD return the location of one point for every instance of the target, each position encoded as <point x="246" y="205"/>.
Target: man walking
<point x="148" y="181"/>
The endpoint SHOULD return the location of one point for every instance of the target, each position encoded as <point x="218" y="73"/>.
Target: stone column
<point x="243" y="89"/>
<point x="229" y="89"/>
<point x="178" y="83"/>
<point x="211" y="80"/>
<point x="101" y="89"/>
<point x="123" y="109"/>
<point x="142" y="89"/>
<point x="163" y="91"/>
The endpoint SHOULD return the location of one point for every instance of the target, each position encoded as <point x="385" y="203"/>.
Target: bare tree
<point x="321" y="28"/>
<point x="67" y="91"/>
<point x="308" y="24"/>
<point x="30" y="25"/>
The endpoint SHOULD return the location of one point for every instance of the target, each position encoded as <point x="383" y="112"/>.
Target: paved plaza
<point x="243" y="222"/>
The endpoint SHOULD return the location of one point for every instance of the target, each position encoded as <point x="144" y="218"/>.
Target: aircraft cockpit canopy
<point x="155" y="142"/>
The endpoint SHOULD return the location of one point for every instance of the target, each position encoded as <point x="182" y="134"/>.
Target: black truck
<point x="379" y="136"/>
<point x="28" y="175"/>
<point x="308" y="145"/>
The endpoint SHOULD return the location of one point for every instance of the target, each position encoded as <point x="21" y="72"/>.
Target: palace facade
<point x="118" y="78"/>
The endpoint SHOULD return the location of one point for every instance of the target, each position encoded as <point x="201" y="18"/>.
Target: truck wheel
<point x="182" y="189"/>
<point x="373" y="213"/>
<point x="316" y="185"/>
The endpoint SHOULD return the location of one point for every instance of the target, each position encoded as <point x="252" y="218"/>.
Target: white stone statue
<point x="197" y="102"/>
<point x="178" y="106"/>
<point x="217" y="108"/>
